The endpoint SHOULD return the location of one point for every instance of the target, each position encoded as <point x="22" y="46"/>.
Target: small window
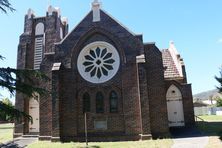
<point x="99" y="103"/>
<point x="113" y="99"/>
<point x="39" y="29"/>
<point x="86" y="103"/>
<point x="100" y="125"/>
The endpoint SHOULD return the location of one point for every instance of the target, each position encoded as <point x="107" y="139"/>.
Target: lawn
<point x="163" y="143"/>
<point x="211" y="118"/>
<point x="6" y="131"/>
<point x="213" y="128"/>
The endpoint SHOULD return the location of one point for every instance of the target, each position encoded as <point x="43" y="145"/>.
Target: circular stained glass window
<point x="98" y="62"/>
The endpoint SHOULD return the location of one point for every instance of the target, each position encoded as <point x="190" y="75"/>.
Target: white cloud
<point x="220" y="41"/>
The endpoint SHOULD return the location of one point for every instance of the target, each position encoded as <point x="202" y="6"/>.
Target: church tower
<point x="36" y="42"/>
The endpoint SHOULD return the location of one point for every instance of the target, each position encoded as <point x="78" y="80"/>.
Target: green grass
<point x="212" y="128"/>
<point x="6" y="132"/>
<point x="212" y="118"/>
<point x="163" y="143"/>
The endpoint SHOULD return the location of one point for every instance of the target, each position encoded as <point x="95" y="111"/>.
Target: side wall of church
<point x="156" y="91"/>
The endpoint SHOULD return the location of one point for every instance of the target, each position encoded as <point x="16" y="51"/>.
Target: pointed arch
<point x="90" y="33"/>
<point x="173" y="92"/>
<point x="39" y="41"/>
<point x="39" y="29"/>
<point x="175" y="107"/>
<point x="113" y="101"/>
<point x="86" y="102"/>
<point x="99" y="102"/>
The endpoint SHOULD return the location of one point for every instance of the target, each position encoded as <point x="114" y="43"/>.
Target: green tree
<point x="7" y="101"/>
<point x="6" y="5"/>
<point x="219" y="102"/>
<point x="17" y="80"/>
<point x="3" y="115"/>
<point x="219" y="79"/>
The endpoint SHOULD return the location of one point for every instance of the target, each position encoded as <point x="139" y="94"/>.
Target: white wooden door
<point x="34" y="112"/>
<point x="175" y="107"/>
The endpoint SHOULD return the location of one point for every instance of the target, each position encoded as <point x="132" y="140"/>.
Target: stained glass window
<point x="99" y="103"/>
<point x="113" y="98"/>
<point x="86" y="103"/>
<point x="98" y="62"/>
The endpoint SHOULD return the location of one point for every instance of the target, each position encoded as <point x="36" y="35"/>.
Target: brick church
<point x="102" y="74"/>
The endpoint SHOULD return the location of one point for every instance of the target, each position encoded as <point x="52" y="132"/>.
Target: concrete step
<point x="30" y="136"/>
<point x="146" y="137"/>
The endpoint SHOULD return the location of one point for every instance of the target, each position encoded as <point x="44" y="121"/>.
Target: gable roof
<point x="171" y="70"/>
<point x="107" y="26"/>
<point x="89" y="14"/>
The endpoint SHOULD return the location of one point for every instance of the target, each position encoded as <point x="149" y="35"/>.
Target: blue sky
<point x="194" y="25"/>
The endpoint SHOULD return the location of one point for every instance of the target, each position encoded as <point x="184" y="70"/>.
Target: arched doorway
<point x="34" y="112"/>
<point x="175" y="107"/>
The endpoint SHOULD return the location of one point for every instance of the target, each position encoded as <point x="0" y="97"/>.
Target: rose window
<point x="98" y="62"/>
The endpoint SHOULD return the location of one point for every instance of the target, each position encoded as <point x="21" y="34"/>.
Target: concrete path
<point x="193" y="142"/>
<point x="19" y="143"/>
<point x="189" y="138"/>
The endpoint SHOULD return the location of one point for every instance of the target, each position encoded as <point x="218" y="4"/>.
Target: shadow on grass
<point x="6" y="128"/>
<point x="220" y="134"/>
<point x="10" y="144"/>
<point x="89" y="146"/>
<point x="185" y="132"/>
<point x="210" y="128"/>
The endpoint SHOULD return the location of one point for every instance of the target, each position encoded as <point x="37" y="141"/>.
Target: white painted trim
<point x="176" y="58"/>
<point x="56" y="66"/>
<point x="49" y="53"/>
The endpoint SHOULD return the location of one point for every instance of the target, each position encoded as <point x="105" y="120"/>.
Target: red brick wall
<point x="156" y="91"/>
<point x="145" y="108"/>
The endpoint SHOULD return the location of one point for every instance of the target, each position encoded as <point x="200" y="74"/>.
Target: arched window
<point x="86" y="103"/>
<point x="113" y="101"/>
<point x="99" y="103"/>
<point x="39" y="41"/>
<point x="39" y="29"/>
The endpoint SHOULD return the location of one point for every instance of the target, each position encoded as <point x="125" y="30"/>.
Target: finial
<point x="64" y="20"/>
<point x="30" y="13"/>
<point x="96" y="10"/>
